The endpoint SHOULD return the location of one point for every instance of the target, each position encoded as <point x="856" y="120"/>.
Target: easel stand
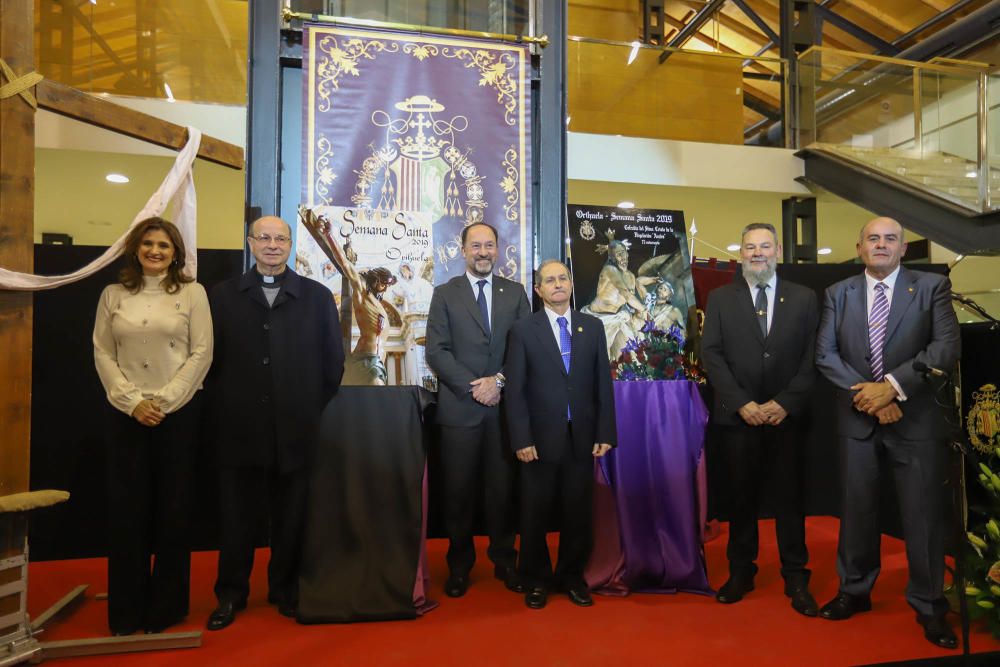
<point x="18" y="634"/>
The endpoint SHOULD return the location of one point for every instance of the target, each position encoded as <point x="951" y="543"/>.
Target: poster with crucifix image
<point x="426" y="132"/>
<point x="632" y="270"/>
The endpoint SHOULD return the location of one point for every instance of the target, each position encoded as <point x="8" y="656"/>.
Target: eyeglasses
<point x="267" y="238"/>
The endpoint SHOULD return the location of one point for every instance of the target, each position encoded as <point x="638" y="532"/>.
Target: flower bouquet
<point x="657" y="355"/>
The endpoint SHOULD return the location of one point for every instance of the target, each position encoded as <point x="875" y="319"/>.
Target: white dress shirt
<point x="771" y="286"/>
<point x="890" y="284"/>
<point x="553" y="315"/>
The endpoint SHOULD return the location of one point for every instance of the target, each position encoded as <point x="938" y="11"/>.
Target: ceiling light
<point x="116" y="178"/>
<point x="824" y="251"/>
<point x="733" y="247"/>
<point x="170" y="93"/>
<point x="634" y="53"/>
<point x="626" y="204"/>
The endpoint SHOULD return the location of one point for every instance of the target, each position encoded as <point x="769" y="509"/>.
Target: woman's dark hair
<point x="131" y="274"/>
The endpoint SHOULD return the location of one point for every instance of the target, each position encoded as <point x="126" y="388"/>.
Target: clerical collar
<point x="272" y="281"/>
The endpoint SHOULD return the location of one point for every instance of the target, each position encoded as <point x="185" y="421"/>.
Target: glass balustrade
<point x="923" y="124"/>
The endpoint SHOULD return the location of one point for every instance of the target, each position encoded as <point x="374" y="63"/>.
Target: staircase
<point x="947" y="176"/>
<point x="936" y="195"/>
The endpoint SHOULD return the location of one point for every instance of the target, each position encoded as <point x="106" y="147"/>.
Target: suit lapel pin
<point x="579" y="329"/>
<point x="500" y="289"/>
<point x="909" y="289"/>
<point x="782" y="299"/>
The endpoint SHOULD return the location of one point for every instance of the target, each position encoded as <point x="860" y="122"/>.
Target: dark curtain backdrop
<point x="67" y="445"/>
<point x="68" y="451"/>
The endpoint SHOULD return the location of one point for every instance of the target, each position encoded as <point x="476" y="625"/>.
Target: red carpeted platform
<point x="491" y="626"/>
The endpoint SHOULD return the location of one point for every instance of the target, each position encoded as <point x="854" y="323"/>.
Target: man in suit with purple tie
<point x="560" y="411"/>
<point x="876" y="328"/>
<point x="757" y="347"/>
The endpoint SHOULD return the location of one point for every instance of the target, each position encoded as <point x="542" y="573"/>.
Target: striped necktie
<point x="876" y="330"/>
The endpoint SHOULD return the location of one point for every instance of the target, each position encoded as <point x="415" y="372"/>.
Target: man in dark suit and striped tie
<point x="561" y="416"/>
<point x="876" y="329"/>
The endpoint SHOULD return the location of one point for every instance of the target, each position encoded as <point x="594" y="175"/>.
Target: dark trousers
<point x="917" y="467"/>
<point x="150" y="496"/>
<point x="566" y="485"/>
<point x="477" y="467"/>
<point x="760" y="457"/>
<point x="249" y="496"/>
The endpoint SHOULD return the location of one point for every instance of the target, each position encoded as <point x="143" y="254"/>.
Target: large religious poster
<point x="407" y="139"/>
<point x="632" y="270"/>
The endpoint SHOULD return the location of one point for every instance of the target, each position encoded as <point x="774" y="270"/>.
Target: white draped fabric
<point x="175" y="200"/>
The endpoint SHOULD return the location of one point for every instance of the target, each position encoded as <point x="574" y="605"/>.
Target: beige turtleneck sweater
<point x="152" y="345"/>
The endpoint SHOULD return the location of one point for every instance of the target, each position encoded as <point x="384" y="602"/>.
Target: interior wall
<point x="615" y="20"/>
<point x="72" y="196"/>
<point x="608" y="95"/>
<point x="720" y="215"/>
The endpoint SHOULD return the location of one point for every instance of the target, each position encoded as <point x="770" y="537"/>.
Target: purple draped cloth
<point x="649" y="495"/>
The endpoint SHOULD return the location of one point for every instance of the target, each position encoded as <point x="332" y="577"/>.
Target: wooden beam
<point x="880" y="15"/>
<point x="17" y="198"/>
<point x="72" y="103"/>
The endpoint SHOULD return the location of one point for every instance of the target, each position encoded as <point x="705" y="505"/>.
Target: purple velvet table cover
<point x="649" y="496"/>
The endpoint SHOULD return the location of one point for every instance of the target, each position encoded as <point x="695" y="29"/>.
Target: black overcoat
<point x="274" y="369"/>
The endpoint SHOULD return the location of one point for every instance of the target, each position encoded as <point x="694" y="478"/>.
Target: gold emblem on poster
<point x="342" y="58"/>
<point x="983" y="420"/>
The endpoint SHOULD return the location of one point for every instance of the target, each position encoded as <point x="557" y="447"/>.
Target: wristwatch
<point x="501" y="380"/>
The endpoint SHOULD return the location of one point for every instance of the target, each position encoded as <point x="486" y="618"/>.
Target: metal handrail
<point x="968" y="70"/>
<point x="288" y="16"/>
<point x="694" y="52"/>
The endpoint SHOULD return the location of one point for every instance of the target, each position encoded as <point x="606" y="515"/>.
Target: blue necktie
<point x="483" y="308"/>
<point x="565" y="346"/>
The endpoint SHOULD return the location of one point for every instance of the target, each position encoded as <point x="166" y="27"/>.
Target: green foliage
<point x="981" y="557"/>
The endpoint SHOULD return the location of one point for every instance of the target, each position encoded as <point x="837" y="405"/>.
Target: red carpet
<point x="491" y="626"/>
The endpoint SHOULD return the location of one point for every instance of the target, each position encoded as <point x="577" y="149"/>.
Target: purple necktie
<point x="483" y="308"/>
<point x="876" y="330"/>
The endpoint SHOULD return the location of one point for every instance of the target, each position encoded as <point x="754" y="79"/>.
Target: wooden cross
<point x="17" y="169"/>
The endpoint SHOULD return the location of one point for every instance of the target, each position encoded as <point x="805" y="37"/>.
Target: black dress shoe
<point x="938" y="632"/>
<point x="844" y="606"/>
<point x="456" y="585"/>
<point x="803" y="601"/>
<point x="224" y="614"/>
<point x="536" y="597"/>
<point x="580" y="596"/>
<point x="509" y="577"/>
<point x="734" y="589"/>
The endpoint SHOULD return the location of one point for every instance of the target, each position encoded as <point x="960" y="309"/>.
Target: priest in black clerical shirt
<point x="279" y="358"/>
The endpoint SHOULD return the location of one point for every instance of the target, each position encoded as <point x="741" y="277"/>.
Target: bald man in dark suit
<point x="876" y="329"/>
